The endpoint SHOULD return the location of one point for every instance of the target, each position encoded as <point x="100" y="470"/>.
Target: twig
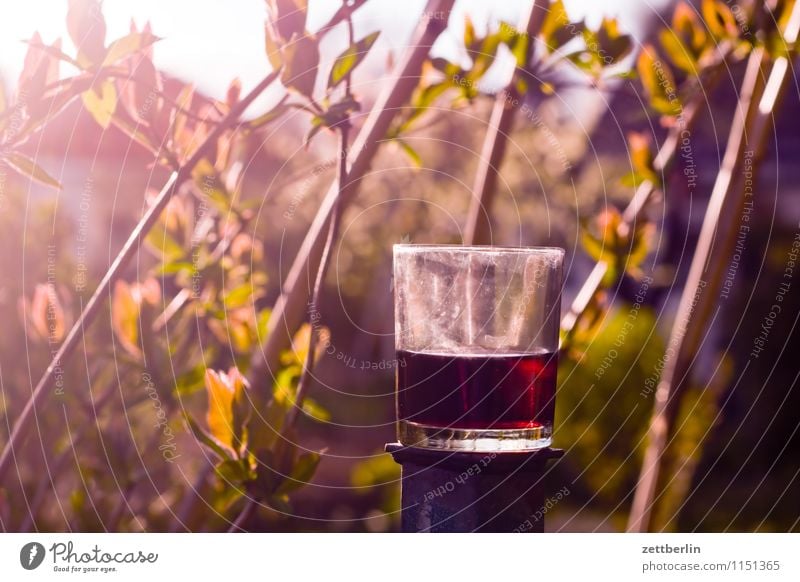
<point x="290" y="308"/>
<point x="748" y="130"/>
<point x="479" y="226"/>
<point x="23" y="424"/>
<point x="333" y="234"/>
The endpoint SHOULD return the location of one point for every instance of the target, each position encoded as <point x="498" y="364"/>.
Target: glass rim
<point x="479" y="248"/>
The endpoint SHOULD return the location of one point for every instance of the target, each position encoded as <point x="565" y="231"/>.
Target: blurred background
<point x="735" y="464"/>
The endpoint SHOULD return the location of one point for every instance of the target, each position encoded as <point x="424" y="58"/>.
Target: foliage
<point x="184" y="331"/>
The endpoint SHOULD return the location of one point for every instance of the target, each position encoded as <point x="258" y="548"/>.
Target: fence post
<point x="446" y="491"/>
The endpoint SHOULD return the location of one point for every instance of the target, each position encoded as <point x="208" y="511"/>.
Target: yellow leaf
<point x="46" y="315"/>
<point x="226" y="407"/>
<point x="125" y="317"/>
<point x="101" y="102"/>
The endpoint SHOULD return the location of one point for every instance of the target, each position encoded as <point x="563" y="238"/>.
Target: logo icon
<point x="31" y="555"/>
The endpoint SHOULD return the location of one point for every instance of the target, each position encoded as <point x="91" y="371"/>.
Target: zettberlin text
<point x="667" y="549"/>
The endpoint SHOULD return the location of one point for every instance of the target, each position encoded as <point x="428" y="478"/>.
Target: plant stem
<point x="699" y="300"/>
<point x="478" y="229"/>
<point x="291" y="306"/>
<point x="23" y="424"/>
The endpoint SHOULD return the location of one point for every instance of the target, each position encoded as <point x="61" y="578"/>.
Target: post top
<point x="490" y="461"/>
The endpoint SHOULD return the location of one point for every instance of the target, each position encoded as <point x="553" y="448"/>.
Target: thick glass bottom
<point x="412" y="434"/>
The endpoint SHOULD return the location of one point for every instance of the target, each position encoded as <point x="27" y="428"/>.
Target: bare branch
<point x="291" y="306"/>
<point x="479" y="226"/>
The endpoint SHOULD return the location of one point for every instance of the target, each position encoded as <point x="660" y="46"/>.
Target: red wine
<point x="477" y="391"/>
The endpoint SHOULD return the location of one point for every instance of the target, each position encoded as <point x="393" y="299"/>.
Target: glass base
<point x="412" y="434"/>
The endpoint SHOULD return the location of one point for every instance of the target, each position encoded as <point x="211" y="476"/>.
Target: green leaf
<point x="233" y="471"/>
<point x="163" y="244"/>
<point x="27" y="167"/>
<point x="209" y="182"/>
<point x="415" y="158"/>
<point x="689" y="28"/>
<point x="302" y="472"/>
<point x="593" y="247"/>
<point x="556" y="18"/>
<point x="612" y="45"/>
<point x="241" y="295"/>
<point x="658" y="82"/>
<point x="469" y="31"/>
<point x="128" y="45"/>
<point x="266" y="118"/>
<point x="350" y="58"/>
<point x="641" y="157"/>
<point x="376" y="470"/>
<point x="101" y="102"/>
<point x="719" y="19"/>
<point x="677" y="52"/>
<point x="206" y="439"/>
<point x="191" y="381"/>
<point x="421" y="101"/>
<point x="315" y="410"/>
<point x="125" y="310"/>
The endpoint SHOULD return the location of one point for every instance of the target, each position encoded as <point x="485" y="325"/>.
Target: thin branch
<point x="479" y="226"/>
<point x="291" y="306"/>
<point x="749" y="130"/>
<point x="24" y="423"/>
<point x="307" y="376"/>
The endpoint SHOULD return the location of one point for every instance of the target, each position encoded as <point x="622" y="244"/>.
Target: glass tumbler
<point x="476" y="334"/>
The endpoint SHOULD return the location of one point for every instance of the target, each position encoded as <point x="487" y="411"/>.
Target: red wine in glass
<point x="478" y="390"/>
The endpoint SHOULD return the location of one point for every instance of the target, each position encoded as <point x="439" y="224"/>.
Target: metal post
<point x="446" y="491"/>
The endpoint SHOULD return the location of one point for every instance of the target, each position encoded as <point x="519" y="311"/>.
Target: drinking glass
<point x="476" y="334"/>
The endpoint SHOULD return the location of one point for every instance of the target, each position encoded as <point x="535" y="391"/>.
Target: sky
<point x="210" y="42"/>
